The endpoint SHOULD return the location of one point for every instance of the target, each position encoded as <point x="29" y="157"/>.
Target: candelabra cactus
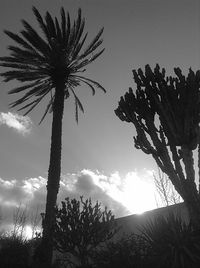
<point x="166" y="114"/>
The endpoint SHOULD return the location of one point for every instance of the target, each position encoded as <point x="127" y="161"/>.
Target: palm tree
<point x="51" y="65"/>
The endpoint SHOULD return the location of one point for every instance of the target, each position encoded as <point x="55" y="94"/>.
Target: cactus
<point x="80" y="227"/>
<point x="165" y="112"/>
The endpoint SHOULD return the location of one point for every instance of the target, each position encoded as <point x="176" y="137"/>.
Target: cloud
<point x="120" y="195"/>
<point x="22" y="124"/>
<point x="135" y="191"/>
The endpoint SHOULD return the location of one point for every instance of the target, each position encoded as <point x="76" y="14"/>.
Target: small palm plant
<point x="51" y="65"/>
<point x="172" y="243"/>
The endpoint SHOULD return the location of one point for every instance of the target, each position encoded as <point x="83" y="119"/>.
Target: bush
<point x="14" y="252"/>
<point x="172" y="243"/>
<point x="165" y="242"/>
<point x="81" y="227"/>
<point x="128" y="252"/>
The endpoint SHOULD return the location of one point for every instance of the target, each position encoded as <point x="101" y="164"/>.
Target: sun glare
<point x="137" y="194"/>
<point x="28" y="232"/>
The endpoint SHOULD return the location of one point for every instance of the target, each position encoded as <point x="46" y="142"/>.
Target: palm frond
<point x="50" y="25"/>
<point x="72" y="83"/>
<point x="18" y="39"/>
<point x="41" y="22"/>
<point x="36" y="102"/>
<point x="22" y="88"/>
<point x="33" y="103"/>
<point x="78" y="48"/>
<point x="71" y="39"/>
<point x="79" y="26"/>
<point x="48" y="109"/>
<point x="95" y="56"/>
<point x="34" y="39"/>
<point x="78" y="105"/>
<point x="63" y="23"/>
<point x="21" y="76"/>
<point x="29" y="94"/>
<point x="82" y="78"/>
<point x="12" y="105"/>
<point x="90" y="47"/>
<point x="23" y="66"/>
<point x="25" y="54"/>
<point x="20" y="60"/>
<point x="90" y="86"/>
<point x="77" y="65"/>
<point x="77" y="41"/>
<point x="58" y="31"/>
<point x="78" y="20"/>
<point x="67" y="31"/>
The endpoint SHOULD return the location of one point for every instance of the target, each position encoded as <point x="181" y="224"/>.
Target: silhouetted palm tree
<point x="51" y="65"/>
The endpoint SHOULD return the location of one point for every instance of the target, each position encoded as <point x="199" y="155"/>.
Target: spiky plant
<point x="51" y="65"/>
<point x="172" y="242"/>
<point x="81" y="227"/>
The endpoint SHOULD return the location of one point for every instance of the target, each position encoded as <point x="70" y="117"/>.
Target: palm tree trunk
<point x="46" y="248"/>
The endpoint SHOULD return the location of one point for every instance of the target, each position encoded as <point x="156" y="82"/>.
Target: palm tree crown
<point x="43" y="62"/>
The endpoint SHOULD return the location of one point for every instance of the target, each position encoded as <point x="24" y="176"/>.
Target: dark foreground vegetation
<point x="165" y="114"/>
<point x="85" y="238"/>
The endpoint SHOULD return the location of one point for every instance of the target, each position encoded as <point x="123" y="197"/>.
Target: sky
<point x="99" y="159"/>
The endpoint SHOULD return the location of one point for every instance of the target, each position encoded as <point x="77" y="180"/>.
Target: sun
<point x="28" y="232"/>
<point x="137" y="194"/>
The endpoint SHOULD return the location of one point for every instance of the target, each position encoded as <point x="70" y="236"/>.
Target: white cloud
<point x="22" y="124"/>
<point x="127" y="195"/>
<point x="135" y="191"/>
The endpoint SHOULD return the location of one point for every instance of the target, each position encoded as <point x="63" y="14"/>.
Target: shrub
<point x="128" y="252"/>
<point x="81" y="227"/>
<point x="14" y="252"/>
<point x="172" y="243"/>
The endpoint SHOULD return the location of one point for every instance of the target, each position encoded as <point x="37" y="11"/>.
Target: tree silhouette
<point x="165" y="112"/>
<point x="51" y="65"/>
<point x="80" y="227"/>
